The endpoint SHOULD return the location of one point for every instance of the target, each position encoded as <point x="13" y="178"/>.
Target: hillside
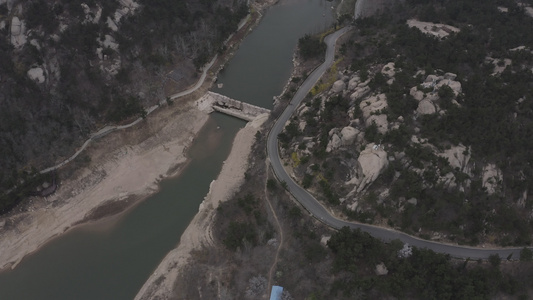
<point x="69" y="67"/>
<point x="424" y="123"/>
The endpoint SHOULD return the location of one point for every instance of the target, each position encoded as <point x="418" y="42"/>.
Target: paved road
<point x="319" y="212"/>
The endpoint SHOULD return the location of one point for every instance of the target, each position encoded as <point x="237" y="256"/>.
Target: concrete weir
<point x="215" y="102"/>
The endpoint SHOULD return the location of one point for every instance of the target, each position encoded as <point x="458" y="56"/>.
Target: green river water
<point x="112" y="259"/>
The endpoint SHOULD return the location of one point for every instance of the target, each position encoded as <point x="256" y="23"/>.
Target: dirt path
<point x="108" y="129"/>
<point x="280" y="229"/>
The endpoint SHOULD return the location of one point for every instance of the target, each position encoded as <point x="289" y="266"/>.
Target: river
<point x="113" y="258"/>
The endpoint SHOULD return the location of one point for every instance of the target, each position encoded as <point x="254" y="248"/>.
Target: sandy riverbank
<point x="198" y="234"/>
<point x="127" y="167"/>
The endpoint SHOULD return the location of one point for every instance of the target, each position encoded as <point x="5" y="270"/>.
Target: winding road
<point x="321" y="213"/>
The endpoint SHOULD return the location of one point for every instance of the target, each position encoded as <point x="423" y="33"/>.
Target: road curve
<point x="320" y="212"/>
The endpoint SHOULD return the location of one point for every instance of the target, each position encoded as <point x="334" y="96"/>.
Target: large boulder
<point x="36" y="74"/>
<point x="372" y="162"/>
<point x="18" y="32"/>
<point x="454" y="85"/>
<point x="418" y="95"/>
<point x="338" y="86"/>
<point x="349" y="135"/>
<point x="426" y="107"/>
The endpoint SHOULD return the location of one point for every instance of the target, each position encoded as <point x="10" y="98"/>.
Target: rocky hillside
<point x="424" y="124"/>
<point x="67" y="67"/>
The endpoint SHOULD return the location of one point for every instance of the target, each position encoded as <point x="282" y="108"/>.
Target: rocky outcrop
<point x="433" y="29"/>
<point x="435" y="82"/>
<point x="372" y="161"/>
<point x="372" y="109"/>
<point x="36" y="74"/>
<point x="454" y="85"/>
<point x="381" y="269"/>
<point x="426" y="107"/>
<point x="492" y="177"/>
<point x="359" y="92"/>
<point x="18" y="33"/>
<point x="349" y="135"/>
<point x="427" y="99"/>
<point x="92" y="15"/>
<point x="458" y="157"/>
<point x="353" y="82"/>
<point x="388" y="70"/>
<point x="357" y="88"/>
<point x="323" y="240"/>
<point x="334" y="142"/>
<point x="448" y="180"/>
<point x="109" y="42"/>
<point x="417" y="94"/>
<point x="127" y="7"/>
<point x="499" y="64"/>
<point x="338" y="86"/>
<point x="412" y="201"/>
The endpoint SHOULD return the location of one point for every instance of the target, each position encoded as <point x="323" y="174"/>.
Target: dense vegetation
<point x="311" y="47"/>
<point x="42" y="123"/>
<point x="421" y="275"/>
<point x="240" y="234"/>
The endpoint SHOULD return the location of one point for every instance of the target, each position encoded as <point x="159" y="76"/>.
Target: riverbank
<point x="127" y="167"/>
<point x="198" y="234"/>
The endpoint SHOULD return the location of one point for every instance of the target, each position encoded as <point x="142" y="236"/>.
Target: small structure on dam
<point x="215" y="102"/>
